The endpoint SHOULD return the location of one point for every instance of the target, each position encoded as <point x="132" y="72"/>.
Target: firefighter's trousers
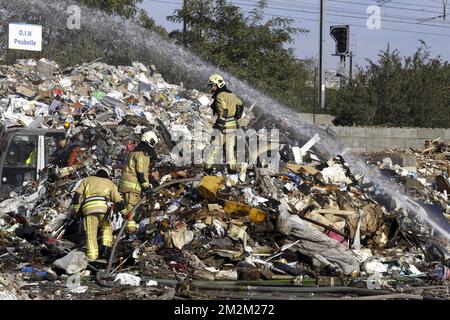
<point x="227" y="138"/>
<point x="91" y="223"/>
<point x="131" y="199"/>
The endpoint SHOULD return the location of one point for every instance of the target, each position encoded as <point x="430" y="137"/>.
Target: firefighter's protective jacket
<point x="135" y="176"/>
<point x="93" y="195"/>
<point x="32" y="157"/>
<point x="228" y="108"/>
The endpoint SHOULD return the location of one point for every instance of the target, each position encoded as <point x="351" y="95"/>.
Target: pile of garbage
<point x="309" y="223"/>
<point x="423" y="175"/>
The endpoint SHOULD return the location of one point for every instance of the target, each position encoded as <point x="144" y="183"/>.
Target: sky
<point x="402" y="24"/>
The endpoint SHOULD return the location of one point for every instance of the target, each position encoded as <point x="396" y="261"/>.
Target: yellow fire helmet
<point x="216" y="79"/>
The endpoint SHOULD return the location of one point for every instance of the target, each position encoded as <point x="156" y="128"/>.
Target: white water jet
<point x="119" y="33"/>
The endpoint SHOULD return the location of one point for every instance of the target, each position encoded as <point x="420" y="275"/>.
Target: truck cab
<point x="24" y="153"/>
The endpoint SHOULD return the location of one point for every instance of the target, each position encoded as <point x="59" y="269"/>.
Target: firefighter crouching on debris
<point x="228" y="108"/>
<point x="98" y="197"/>
<point x="135" y="178"/>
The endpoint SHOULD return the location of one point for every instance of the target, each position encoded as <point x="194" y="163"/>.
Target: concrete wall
<point x="362" y="139"/>
<point x="323" y="120"/>
<point x="369" y="139"/>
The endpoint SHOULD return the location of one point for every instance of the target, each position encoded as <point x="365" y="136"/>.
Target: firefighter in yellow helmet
<point x="228" y="108"/>
<point x="96" y="198"/>
<point x="136" y="179"/>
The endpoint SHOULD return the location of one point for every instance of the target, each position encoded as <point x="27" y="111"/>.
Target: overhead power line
<point x="334" y="14"/>
<point x="289" y="7"/>
<point x="291" y="4"/>
<point x="332" y="21"/>
<point x="385" y="6"/>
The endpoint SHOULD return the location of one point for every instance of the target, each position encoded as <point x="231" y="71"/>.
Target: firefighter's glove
<point x="154" y="182"/>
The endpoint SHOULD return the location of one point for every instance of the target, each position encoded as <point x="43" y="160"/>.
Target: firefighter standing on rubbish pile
<point x="228" y="108"/>
<point x="136" y="179"/>
<point x="98" y="197"/>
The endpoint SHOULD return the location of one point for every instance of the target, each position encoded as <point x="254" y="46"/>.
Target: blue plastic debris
<point x="295" y="178"/>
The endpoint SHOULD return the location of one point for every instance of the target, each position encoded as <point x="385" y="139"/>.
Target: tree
<point x="95" y="39"/>
<point x="128" y="9"/>
<point x="246" y="47"/>
<point x="413" y="91"/>
<point x="124" y="8"/>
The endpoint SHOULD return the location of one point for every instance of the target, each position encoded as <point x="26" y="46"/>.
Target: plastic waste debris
<point x="440" y="274"/>
<point x="181" y="237"/>
<point x="126" y="279"/>
<point x="74" y="262"/>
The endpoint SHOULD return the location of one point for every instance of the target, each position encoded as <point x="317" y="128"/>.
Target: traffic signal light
<point x="341" y="35"/>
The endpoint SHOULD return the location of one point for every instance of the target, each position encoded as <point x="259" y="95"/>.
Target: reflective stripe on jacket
<point x="95" y="194"/>
<point x="135" y="176"/>
<point x="226" y="106"/>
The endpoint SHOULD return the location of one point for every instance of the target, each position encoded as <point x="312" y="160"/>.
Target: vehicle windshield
<point x="21" y="160"/>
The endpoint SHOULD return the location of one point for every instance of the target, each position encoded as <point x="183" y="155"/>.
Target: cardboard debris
<point x="302" y="169"/>
<point x="26" y="92"/>
<point x="305" y="222"/>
